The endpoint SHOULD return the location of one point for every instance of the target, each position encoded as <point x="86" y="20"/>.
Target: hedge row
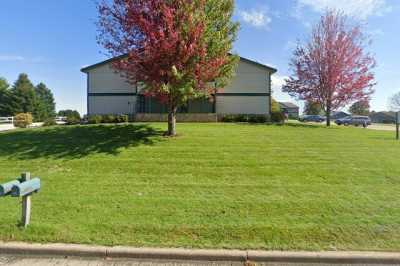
<point x="276" y="117"/>
<point x="98" y="119"/>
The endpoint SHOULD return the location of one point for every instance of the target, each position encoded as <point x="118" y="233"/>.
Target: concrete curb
<point x="177" y="254"/>
<point x="198" y="254"/>
<point x="325" y="257"/>
<point x="52" y="249"/>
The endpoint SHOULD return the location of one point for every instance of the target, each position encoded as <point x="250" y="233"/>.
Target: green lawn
<point x="215" y="186"/>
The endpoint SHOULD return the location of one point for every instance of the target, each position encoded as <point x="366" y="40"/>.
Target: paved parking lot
<point x="383" y="127"/>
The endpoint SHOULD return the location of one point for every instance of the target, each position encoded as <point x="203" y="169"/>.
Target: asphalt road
<point x="46" y="261"/>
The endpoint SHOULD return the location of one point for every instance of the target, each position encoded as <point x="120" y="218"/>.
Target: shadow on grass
<point x="286" y="124"/>
<point x="303" y="125"/>
<point x="383" y="135"/>
<point x="72" y="142"/>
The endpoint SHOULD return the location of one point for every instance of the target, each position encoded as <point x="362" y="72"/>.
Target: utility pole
<point x="398" y="125"/>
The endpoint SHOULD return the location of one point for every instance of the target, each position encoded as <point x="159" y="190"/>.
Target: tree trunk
<point x="172" y="121"/>
<point x="328" y="115"/>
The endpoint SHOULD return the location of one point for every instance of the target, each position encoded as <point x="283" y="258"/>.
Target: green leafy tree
<point x="5" y="98"/>
<point x="178" y="49"/>
<point x="69" y="113"/>
<point x="394" y="102"/>
<point x="360" y="108"/>
<point x="45" y="105"/>
<point x="275" y="107"/>
<point x="313" y="108"/>
<point x="3" y="84"/>
<point x="23" y="95"/>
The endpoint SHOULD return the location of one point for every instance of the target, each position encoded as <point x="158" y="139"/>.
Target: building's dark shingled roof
<point x="288" y="105"/>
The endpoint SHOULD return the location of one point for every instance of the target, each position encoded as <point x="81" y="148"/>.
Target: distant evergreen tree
<point x="45" y="106"/>
<point x="5" y="98"/>
<point x="23" y="95"/>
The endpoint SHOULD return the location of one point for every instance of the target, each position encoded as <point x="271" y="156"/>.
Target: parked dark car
<point x="354" y="121"/>
<point x="312" y="118"/>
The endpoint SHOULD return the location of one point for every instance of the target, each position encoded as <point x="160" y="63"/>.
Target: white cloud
<point x="277" y="82"/>
<point x="256" y="18"/>
<point x="361" y="9"/>
<point x="376" y="32"/>
<point x="11" y="58"/>
<point x="290" y="46"/>
<point x="37" y="60"/>
<point x="18" y="58"/>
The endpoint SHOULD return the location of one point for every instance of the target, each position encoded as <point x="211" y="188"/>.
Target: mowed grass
<point x="243" y="186"/>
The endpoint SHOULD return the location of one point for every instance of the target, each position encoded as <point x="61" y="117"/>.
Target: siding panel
<point x="249" y="78"/>
<point x="104" y="80"/>
<point x="243" y="104"/>
<point x="101" y="105"/>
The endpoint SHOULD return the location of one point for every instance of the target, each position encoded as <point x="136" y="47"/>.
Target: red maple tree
<point x="166" y="48"/>
<point x="333" y="68"/>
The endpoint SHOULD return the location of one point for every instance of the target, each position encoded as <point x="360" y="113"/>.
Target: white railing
<point x="6" y="120"/>
<point x="61" y="119"/>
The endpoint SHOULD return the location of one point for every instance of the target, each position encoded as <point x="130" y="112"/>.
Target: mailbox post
<point x="24" y="187"/>
<point x="26" y="203"/>
<point x="6" y="188"/>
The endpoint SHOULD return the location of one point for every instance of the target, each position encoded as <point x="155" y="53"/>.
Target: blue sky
<point x="51" y="40"/>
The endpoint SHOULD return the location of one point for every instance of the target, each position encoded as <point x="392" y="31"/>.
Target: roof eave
<point x="88" y="68"/>
<point x="271" y="69"/>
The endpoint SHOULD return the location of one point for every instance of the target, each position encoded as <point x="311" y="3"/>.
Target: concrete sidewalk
<point x="232" y="256"/>
<point x="5" y="127"/>
<point x="58" y="261"/>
